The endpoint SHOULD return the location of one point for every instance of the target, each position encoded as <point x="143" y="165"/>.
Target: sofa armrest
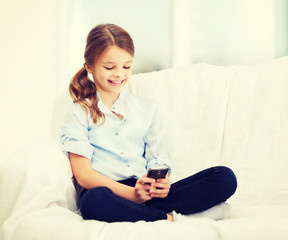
<point x="36" y="177"/>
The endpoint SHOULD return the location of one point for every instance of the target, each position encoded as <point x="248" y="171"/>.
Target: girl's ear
<point x="88" y="69"/>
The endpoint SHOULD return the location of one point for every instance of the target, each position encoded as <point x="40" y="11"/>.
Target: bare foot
<point x="170" y="218"/>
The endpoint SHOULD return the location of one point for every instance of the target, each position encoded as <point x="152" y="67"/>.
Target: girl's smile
<point x="116" y="83"/>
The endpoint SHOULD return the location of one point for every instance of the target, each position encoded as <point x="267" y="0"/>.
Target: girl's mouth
<point x="116" y="83"/>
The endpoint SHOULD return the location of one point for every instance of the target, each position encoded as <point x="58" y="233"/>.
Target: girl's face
<point x="112" y="71"/>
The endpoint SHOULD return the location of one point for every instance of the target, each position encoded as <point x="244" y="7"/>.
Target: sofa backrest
<point x="215" y="115"/>
<point x="233" y="116"/>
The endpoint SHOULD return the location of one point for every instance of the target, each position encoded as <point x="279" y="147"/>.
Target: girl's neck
<point x="108" y="99"/>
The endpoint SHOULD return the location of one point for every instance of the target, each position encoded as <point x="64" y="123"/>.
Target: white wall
<point x="41" y="49"/>
<point x="30" y="68"/>
<point x="148" y="22"/>
<point x="229" y="32"/>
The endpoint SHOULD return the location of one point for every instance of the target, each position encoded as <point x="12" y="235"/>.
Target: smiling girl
<point x="111" y="139"/>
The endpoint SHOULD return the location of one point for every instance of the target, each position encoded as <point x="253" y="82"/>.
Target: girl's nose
<point x="118" y="74"/>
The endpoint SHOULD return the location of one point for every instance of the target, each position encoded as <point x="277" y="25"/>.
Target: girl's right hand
<point x="142" y="189"/>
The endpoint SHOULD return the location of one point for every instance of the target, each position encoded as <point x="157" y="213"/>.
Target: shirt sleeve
<point x="74" y="132"/>
<point x="155" y="152"/>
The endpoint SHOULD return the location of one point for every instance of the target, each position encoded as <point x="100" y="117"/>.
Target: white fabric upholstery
<point x="232" y="116"/>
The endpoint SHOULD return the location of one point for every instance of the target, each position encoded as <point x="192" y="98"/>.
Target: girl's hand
<point x="164" y="187"/>
<point x="142" y="189"/>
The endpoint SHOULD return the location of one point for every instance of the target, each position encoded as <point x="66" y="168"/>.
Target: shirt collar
<point x="116" y="107"/>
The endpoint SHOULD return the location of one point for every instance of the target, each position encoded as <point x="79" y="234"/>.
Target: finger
<point x="147" y="186"/>
<point x="147" y="198"/>
<point x="146" y="180"/>
<point x="141" y="181"/>
<point x="143" y="188"/>
<point x="158" y="195"/>
<point x="162" y="185"/>
<point x="159" y="192"/>
<point x="145" y="195"/>
<point x="142" y="193"/>
<point x="154" y="195"/>
<point x="163" y="180"/>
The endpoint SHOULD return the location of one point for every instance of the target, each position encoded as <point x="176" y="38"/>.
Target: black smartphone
<point x="158" y="172"/>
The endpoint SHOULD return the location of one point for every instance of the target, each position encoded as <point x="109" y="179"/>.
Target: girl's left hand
<point x="160" y="188"/>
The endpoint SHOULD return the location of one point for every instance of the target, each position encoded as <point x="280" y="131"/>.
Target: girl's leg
<point x="100" y="203"/>
<point x="198" y="192"/>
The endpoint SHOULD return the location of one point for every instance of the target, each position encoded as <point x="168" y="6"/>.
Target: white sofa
<point x="214" y="115"/>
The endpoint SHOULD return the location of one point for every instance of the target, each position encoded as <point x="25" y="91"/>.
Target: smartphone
<point x="158" y="172"/>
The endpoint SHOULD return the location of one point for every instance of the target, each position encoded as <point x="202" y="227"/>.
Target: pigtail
<point x="82" y="88"/>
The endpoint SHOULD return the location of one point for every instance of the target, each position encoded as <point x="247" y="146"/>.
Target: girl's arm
<point x="156" y="153"/>
<point x="89" y="178"/>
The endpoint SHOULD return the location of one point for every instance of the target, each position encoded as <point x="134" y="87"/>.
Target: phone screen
<point x="157" y="173"/>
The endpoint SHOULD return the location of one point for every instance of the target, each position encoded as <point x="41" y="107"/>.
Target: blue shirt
<point x="118" y="149"/>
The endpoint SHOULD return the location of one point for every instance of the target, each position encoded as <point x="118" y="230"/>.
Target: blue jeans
<point x="193" y="194"/>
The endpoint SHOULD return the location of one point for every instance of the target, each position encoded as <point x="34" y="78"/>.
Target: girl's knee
<point x="93" y="200"/>
<point x="228" y="179"/>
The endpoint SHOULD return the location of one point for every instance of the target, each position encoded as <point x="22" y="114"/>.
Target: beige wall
<point x="29" y="70"/>
<point x="41" y="48"/>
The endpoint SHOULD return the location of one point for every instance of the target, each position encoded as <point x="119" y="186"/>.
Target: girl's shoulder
<point x="75" y="108"/>
<point x="77" y="111"/>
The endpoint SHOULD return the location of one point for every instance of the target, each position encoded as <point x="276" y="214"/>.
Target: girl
<point x="111" y="139"/>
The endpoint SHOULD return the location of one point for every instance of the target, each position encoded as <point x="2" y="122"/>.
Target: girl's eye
<point x="109" y="68"/>
<point x="127" y="67"/>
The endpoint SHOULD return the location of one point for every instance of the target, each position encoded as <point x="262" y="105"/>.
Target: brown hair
<point x="81" y="86"/>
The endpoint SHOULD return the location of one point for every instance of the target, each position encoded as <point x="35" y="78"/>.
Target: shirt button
<point x="116" y="133"/>
<point x="128" y="165"/>
<point x="121" y="153"/>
